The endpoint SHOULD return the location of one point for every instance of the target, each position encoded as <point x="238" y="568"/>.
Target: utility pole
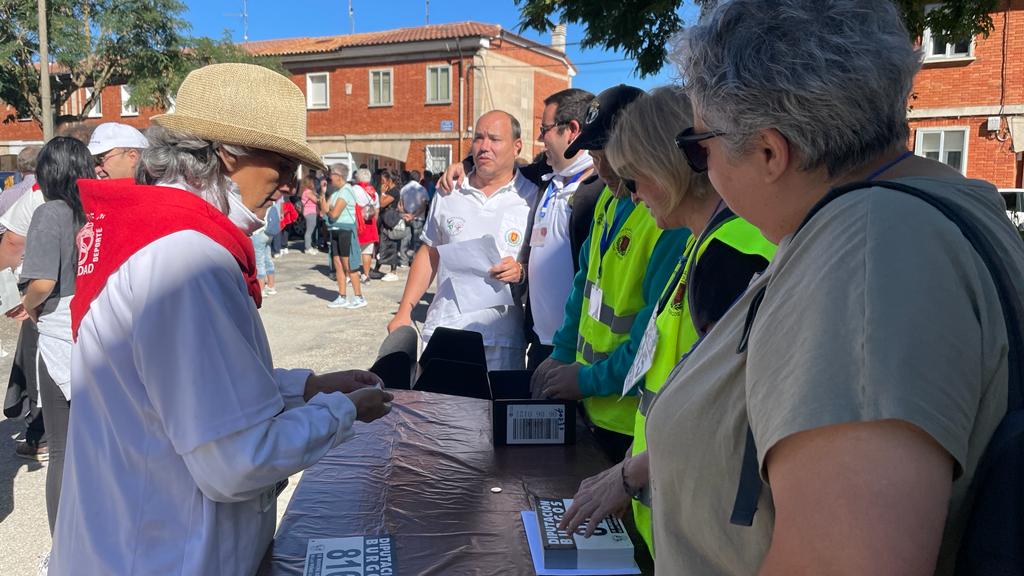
<point x="44" y="71"/>
<point x="351" y="18"/>
<point x="245" y="20"/>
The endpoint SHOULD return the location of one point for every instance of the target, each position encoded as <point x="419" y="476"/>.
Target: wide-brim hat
<point x="245" y="105"/>
<point x="600" y="118"/>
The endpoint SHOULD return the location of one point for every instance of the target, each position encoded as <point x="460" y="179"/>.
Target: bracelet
<point x="522" y="273"/>
<point x="630" y="491"/>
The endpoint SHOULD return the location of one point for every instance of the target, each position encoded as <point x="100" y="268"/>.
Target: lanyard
<point x="688" y="259"/>
<point x="550" y="192"/>
<point x="888" y="165"/>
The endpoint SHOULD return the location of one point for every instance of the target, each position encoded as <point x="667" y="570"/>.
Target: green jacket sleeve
<point x="605" y="378"/>
<point x="564" y="339"/>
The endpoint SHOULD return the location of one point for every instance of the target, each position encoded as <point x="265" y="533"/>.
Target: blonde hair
<point x="643" y="143"/>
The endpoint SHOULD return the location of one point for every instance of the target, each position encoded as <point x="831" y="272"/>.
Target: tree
<point x="99" y="43"/>
<point x="643" y="28"/>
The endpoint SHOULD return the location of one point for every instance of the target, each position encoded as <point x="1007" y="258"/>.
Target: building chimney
<point x="558" y="38"/>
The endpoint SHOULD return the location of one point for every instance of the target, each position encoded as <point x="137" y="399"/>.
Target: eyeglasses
<point x="101" y="159"/>
<point x="545" y="127"/>
<point x="286" y="170"/>
<point x="696" y="155"/>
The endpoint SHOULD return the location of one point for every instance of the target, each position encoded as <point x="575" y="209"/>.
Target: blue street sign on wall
<point x="447" y="125"/>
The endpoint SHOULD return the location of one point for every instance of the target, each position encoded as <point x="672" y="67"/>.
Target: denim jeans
<point x="261" y="245"/>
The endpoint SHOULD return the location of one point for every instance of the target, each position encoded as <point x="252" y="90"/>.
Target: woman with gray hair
<point x="183" y="429"/>
<point x="863" y="374"/>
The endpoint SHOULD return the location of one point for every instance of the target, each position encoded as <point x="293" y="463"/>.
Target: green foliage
<point x="642" y="28"/>
<point x="98" y="43"/>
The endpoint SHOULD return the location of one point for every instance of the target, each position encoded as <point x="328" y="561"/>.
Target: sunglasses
<point x="696" y="155"/>
<point x="101" y="159"/>
<point x="545" y="127"/>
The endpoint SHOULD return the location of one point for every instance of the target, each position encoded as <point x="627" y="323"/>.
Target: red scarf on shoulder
<point x="124" y="217"/>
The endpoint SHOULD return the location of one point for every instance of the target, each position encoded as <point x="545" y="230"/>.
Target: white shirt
<point x="467" y="214"/>
<point x="363" y="197"/>
<point x="414" y="198"/>
<point x="551" y="266"/>
<point x="181" y="425"/>
<point x="19" y="216"/>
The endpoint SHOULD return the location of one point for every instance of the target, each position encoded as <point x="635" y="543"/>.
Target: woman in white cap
<point x="182" y="427"/>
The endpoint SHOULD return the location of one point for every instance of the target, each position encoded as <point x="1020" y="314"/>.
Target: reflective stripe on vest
<point x="619" y="273"/>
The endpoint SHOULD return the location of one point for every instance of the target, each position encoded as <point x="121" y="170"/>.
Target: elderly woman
<point x="720" y="257"/>
<point x="874" y="369"/>
<point x="182" y="427"/>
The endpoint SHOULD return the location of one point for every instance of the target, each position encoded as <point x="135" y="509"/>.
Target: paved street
<point x="303" y="332"/>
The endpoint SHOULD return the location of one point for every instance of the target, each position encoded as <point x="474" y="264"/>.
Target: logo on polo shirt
<point x="622" y="244"/>
<point x="514" y="238"/>
<point x="455" y="225"/>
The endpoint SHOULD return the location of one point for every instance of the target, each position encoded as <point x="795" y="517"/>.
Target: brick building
<point x="397" y="98"/>
<point x="967" y="105"/>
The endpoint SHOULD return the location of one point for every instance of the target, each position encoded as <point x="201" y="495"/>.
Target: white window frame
<point x="942" y="130"/>
<point x="97" y="109"/>
<point x="127" y="109"/>
<point x="447" y="68"/>
<point x="949" y="55"/>
<point x="427" y="156"/>
<point x="310" y="105"/>
<point x="391" y="86"/>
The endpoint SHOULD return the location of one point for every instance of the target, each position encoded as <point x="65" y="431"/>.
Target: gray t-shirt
<point x="880" y="309"/>
<point x="51" y="252"/>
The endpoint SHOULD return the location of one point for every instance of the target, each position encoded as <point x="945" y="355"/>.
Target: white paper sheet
<point x="467" y="264"/>
<point x="537" y="552"/>
<point x="9" y="296"/>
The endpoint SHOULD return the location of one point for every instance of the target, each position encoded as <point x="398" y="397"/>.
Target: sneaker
<point x="275" y="256"/>
<point x="356" y="302"/>
<point x="271" y="291"/>
<point x="389" y="277"/>
<point x="38" y="452"/>
<point x="364" y="278"/>
<point x="312" y="251"/>
<point x="284" y="251"/>
<point x="339" y="302"/>
<point x="375" y="274"/>
<point x="43" y="568"/>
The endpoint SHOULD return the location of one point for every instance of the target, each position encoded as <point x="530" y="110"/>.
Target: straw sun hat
<point x="245" y="105"/>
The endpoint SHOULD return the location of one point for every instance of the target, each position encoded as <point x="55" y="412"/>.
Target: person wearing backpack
<point x="866" y="371"/>
<point x="367" y="208"/>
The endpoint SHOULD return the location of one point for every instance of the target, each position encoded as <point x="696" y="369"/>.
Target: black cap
<point x="600" y="118"/>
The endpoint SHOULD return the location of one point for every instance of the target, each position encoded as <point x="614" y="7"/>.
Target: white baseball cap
<point x="110" y="135"/>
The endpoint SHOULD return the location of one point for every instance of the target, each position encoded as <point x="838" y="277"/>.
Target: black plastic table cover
<point x="424" y="474"/>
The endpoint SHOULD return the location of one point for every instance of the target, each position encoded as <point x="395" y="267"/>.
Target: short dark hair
<point x="61" y="163"/>
<point x="571" y="104"/>
<point x="414" y="175"/>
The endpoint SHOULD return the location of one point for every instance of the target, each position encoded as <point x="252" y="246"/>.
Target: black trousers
<point x="22" y="386"/>
<point x="57" y="410"/>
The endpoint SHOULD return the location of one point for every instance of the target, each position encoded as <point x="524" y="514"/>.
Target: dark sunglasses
<point x="696" y="155"/>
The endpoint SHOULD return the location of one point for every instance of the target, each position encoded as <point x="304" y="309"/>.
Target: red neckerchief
<point x="124" y="217"/>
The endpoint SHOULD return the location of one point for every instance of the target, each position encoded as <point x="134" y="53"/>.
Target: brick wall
<point x="987" y="157"/>
<point x="29" y="130"/>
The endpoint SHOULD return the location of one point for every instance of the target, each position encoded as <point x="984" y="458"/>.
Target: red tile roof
<point x="290" y="46"/>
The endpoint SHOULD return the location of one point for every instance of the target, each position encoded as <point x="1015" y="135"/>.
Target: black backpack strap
<point x="749" y="489"/>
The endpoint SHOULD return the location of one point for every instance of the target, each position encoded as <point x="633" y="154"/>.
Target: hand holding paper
<point x="468" y="265"/>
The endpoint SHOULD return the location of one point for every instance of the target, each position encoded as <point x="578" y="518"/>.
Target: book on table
<point x="608" y="546"/>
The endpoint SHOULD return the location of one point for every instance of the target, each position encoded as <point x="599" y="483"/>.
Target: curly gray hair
<point x="177" y="158"/>
<point x="832" y="76"/>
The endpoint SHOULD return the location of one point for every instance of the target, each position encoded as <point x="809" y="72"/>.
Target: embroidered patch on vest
<point x="622" y="244"/>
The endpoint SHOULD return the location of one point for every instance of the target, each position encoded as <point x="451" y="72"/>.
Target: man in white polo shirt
<point x="116" y="149"/>
<point x="494" y="200"/>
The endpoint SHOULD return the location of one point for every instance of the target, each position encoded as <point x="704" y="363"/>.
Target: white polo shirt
<point x="551" y="270"/>
<point x="467" y="214"/>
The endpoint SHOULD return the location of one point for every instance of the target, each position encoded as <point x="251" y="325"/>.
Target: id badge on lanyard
<point x="644" y="358"/>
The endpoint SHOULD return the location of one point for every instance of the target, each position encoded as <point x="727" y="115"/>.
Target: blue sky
<point x="598" y="69"/>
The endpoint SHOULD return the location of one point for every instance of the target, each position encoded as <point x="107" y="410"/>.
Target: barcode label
<point x="535" y="424"/>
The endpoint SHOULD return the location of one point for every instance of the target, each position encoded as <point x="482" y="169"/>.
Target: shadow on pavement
<point x="10" y="464"/>
<point x="327" y="294"/>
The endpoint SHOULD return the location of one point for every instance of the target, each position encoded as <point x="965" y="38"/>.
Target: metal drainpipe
<point x="458" y="44"/>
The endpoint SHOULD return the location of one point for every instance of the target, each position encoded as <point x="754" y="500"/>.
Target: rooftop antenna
<point x="351" y="18"/>
<point x="245" y="20"/>
<point x="428" y="12"/>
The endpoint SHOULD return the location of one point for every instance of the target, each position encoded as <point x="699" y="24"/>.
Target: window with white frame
<point x="380" y="87"/>
<point x="439" y="84"/>
<point x="438" y="158"/>
<point x="947" y="145"/>
<point x="97" y="107"/>
<point x="317" y="91"/>
<point x="126" y="108"/>
<point x="937" y="49"/>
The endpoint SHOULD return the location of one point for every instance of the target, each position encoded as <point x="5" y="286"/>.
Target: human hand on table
<point x="598" y="497"/>
<point x="371" y="403"/>
<point x="540" y="375"/>
<point x="562" y="383"/>
<point x="508" y="270"/>
<point x="345" y="381"/>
